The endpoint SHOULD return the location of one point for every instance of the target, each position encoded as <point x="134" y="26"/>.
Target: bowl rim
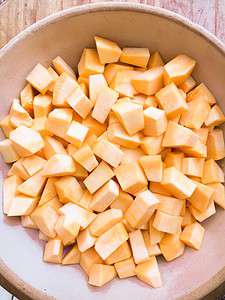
<point x="8" y="279"/>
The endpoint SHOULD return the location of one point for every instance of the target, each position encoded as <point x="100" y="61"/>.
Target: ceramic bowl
<point x="66" y="33"/>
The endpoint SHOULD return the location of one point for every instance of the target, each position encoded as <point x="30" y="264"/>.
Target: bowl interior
<point x="20" y="248"/>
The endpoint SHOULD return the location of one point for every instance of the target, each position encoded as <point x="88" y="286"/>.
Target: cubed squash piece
<point x="18" y="170"/>
<point x="104" y="103"/>
<point x="131" y="155"/>
<point x="130" y="115"/>
<point x="26" y="141"/>
<point x="155" y="121"/>
<point x="68" y="189"/>
<point x="105" y="220"/>
<point x="59" y="165"/>
<point x="122" y="82"/>
<point x="198" y="150"/>
<point x="148" y="272"/>
<point x="171" y="246"/>
<point x="59" y="121"/>
<point x="111" y="70"/>
<point x="61" y="66"/>
<point x="67" y="229"/>
<point x="170" y="205"/>
<point x="212" y="172"/>
<point x="9" y="191"/>
<point x="215" y="117"/>
<point x="82" y="216"/>
<point x="85" y="240"/>
<point x="52" y="147"/>
<point x="177" y="183"/>
<point x="101" y="274"/>
<point x="6" y="126"/>
<point x="89" y="63"/>
<point x="72" y="257"/>
<point x="139" y="249"/>
<point x="155" y="60"/>
<point x="53" y="251"/>
<point x="105" y="196"/>
<point x="98" y="177"/>
<point x="97" y="83"/>
<point x="40" y="78"/>
<point x="125" y="268"/>
<point x="179" y="136"/>
<point x="219" y="194"/>
<point x="120" y="254"/>
<point x="94" y="126"/>
<point x="86" y="158"/>
<point x="167" y="223"/>
<point x="79" y="102"/>
<point x="27" y="98"/>
<point x="116" y="134"/>
<point x="108" y="51"/>
<point x="202" y="216"/>
<point x="171" y="100"/>
<point x="192" y="235"/>
<point x="45" y="217"/>
<point x="131" y="178"/>
<point x="155" y="236"/>
<point x="203" y="133"/>
<point x="135" y="56"/>
<point x="196" y="114"/>
<point x="193" y="166"/>
<point x="54" y="76"/>
<point x="108" y="152"/>
<point x="76" y="133"/>
<point x="33" y="186"/>
<point x="112" y="239"/>
<point x="49" y="191"/>
<point x="141" y="209"/>
<point x="19" y="116"/>
<point x="64" y="86"/>
<point x="88" y="259"/>
<point x="8" y="151"/>
<point x="152" y="166"/>
<point x="42" y="105"/>
<point x="22" y="205"/>
<point x="201" y="91"/>
<point x="178" y="69"/>
<point x="33" y="164"/>
<point x="215" y="144"/>
<point x="153" y="250"/>
<point x="149" y="82"/>
<point x="174" y="159"/>
<point x="188" y="84"/>
<point x="152" y="145"/>
<point x="27" y="222"/>
<point x="122" y="202"/>
<point x="188" y="218"/>
<point x="85" y="200"/>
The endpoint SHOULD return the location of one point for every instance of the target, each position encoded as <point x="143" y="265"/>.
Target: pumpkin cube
<point x="192" y="235"/>
<point x="212" y="172"/>
<point x="125" y="268"/>
<point x="149" y="82"/>
<point x="108" y="51"/>
<point x="201" y="91"/>
<point x="178" y="69"/>
<point x="27" y="98"/>
<point x="215" y="144"/>
<point x="67" y="230"/>
<point x="130" y="116"/>
<point x="112" y="239"/>
<point x="188" y="84"/>
<point x="155" y="121"/>
<point x="167" y="223"/>
<point x="131" y="178"/>
<point x="171" y="246"/>
<point x="89" y="63"/>
<point x="120" y="254"/>
<point x="139" y="249"/>
<point x="19" y="116"/>
<point x="72" y="256"/>
<point x="152" y="166"/>
<point x="97" y="178"/>
<point x="105" y="196"/>
<point x="193" y="166"/>
<point x="122" y="202"/>
<point x="135" y="56"/>
<point x="59" y="165"/>
<point x="76" y="133"/>
<point x="88" y="259"/>
<point x="40" y="78"/>
<point x="86" y="158"/>
<point x="141" y="209"/>
<point x="68" y="189"/>
<point x="61" y="66"/>
<point x="101" y="274"/>
<point x="155" y="60"/>
<point x="215" y="117"/>
<point x="53" y="251"/>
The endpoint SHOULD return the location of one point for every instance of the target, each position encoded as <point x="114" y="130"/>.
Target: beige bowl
<point x="66" y="33"/>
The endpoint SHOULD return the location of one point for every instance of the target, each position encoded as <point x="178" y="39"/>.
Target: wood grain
<point x="15" y="15"/>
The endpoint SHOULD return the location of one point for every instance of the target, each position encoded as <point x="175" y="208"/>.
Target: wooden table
<point x="15" y="15"/>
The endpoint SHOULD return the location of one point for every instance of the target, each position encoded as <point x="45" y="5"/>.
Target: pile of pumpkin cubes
<point x="117" y="166"/>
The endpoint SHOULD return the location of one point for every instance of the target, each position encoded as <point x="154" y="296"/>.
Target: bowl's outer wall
<point x="20" y="249"/>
